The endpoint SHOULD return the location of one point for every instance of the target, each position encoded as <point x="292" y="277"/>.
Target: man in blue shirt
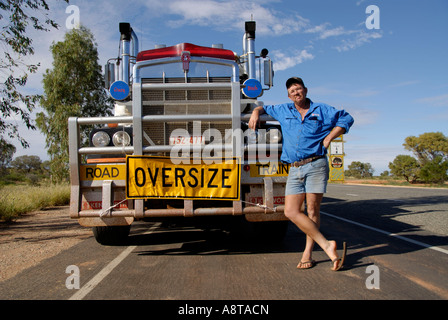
<point x="307" y="129"/>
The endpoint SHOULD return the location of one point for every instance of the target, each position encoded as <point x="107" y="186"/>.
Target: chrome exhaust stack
<point x="120" y="68"/>
<point x="128" y="53"/>
<point x="250" y="48"/>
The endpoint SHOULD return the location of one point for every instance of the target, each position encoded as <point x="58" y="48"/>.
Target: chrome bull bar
<point x="110" y="215"/>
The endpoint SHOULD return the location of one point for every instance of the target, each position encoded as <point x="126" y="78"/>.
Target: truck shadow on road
<point x="382" y="220"/>
<point x="218" y="235"/>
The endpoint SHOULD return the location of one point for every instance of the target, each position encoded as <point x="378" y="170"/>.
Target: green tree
<point x="435" y="171"/>
<point x="73" y="88"/>
<point x="359" y="169"/>
<point x="15" y="17"/>
<point x="428" y="146"/>
<point x="405" y="166"/>
<point x="384" y="174"/>
<point x="7" y="151"/>
<point x="27" y="164"/>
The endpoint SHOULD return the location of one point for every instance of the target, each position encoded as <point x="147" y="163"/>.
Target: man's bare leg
<point x="294" y="212"/>
<point x="313" y="201"/>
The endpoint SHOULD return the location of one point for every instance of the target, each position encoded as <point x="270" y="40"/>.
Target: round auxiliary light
<point x="121" y="138"/>
<point x="100" y="139"/>
<point x="273" y="136"/>
<point x="252" y="137"/>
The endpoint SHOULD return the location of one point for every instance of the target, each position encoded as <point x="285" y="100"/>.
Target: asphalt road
<point x="397" y="250"/>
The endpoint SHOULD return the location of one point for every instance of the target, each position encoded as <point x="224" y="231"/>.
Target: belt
<point x="305" y="161"/>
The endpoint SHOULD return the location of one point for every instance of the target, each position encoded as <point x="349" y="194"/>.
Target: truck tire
<point x="115" y="235"/>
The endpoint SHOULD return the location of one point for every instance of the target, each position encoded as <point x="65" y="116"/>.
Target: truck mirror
<point x="109" y="75"/>
<point x="268" y="73"/>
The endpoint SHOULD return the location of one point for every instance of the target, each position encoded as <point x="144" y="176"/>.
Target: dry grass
<point x="16" y="200"/>
<point x="393" y="182"/>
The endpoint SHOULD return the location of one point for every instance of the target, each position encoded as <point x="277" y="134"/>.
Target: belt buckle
<point x="305" y="161"/>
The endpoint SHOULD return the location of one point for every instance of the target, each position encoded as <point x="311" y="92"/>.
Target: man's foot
<point x="338" y="262"/>
<point x="306" y="264"/>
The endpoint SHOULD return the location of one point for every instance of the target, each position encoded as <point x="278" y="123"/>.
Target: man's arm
<point x="255" y="117"/>
<point x="336" y="132"/>
<point x="343" y="123"/>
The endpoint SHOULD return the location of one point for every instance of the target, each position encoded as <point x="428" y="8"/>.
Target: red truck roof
<point x="176" y="51"/>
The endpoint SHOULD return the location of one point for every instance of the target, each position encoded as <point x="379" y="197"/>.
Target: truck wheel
<point x="115" y="235"/>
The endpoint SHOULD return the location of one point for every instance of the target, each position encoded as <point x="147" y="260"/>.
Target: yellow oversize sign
<point x="149" y="177"/>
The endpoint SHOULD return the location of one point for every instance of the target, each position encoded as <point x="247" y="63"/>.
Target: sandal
<point x="302" y="264"/>
<point x="340" y="259"/>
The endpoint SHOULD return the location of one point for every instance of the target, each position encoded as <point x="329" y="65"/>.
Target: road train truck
<point x="178" y="144"/>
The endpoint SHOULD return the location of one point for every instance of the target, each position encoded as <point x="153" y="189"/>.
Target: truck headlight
<point x="121" y="138"/>
<point x="252" y="137"/>
<point x="273" y="135"/>
<point x="100" y="139"/>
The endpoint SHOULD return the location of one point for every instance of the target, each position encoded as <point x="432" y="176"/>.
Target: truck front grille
<point x="184" y="102"/>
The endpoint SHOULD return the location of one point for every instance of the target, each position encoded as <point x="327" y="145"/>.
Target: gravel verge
<point x="35" y="237"/>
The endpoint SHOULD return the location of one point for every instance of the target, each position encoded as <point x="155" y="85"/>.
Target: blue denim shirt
<point x="303" y="139"/>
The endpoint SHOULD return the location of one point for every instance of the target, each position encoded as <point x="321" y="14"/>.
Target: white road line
<point x="85" y="290"/>
<point x="425" y="245"/>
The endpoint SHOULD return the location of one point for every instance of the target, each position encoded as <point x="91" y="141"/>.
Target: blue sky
<point x="393" y="80"/>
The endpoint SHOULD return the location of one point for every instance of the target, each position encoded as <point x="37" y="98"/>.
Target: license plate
<point x="186" y="140"/>
<point x="151" y="177"/>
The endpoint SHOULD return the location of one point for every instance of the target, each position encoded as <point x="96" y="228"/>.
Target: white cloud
<point x="229" y="15"/>
<point x="324" y="31"/>
<point x="404" y="83"/>
<point x="361" y="37"/>
<point x="435" y="101"/>
<point x="334" y="32"/>
<point x="283" y="61"/>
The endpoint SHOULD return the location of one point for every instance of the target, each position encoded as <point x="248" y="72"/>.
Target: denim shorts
<point x="309" y="178"/>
